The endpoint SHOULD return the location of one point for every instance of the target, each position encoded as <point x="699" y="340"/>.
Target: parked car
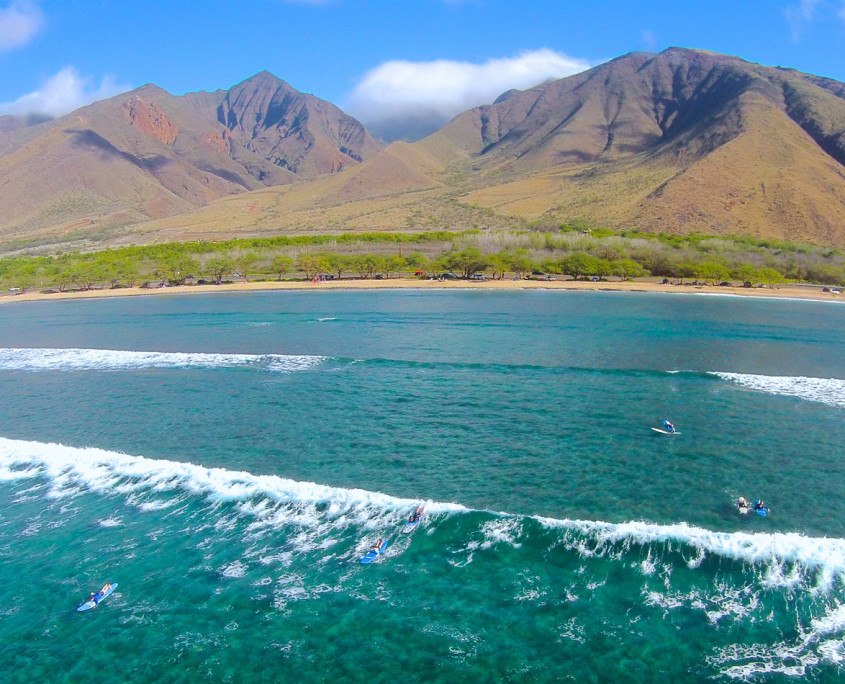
<point x="478" y="276"/>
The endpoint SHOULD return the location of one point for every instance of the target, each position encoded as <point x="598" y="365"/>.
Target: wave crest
<point x="35" y="359"/>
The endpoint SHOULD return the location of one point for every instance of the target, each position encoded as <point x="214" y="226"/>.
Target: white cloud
<point x="448" y="87"/>
<point x="800" y="16"/>
<point x="19" y="22"/>
<point x="63" y="93"/>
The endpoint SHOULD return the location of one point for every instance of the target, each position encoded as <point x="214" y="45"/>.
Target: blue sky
<point x="373" y="57"/>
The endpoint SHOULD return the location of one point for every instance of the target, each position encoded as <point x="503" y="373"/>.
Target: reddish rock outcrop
<point x="149" y="119"/>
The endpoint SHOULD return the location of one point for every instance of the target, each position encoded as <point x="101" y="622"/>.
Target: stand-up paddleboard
<point x="414" y="521"/>
<point x="665" y="432"/>
<point x="372" y="554"/>
<point x="98" y="597"/>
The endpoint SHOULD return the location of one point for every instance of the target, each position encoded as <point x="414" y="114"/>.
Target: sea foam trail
<point x="72" y="471"/>
<point x="33" y="359"/>
<point x="825" y="390"/>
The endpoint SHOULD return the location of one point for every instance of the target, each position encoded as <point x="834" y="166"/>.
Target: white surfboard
<point x="665" y="432"/>
<point x="88" y="605"/>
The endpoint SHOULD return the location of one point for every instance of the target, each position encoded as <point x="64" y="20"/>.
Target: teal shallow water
<point x="564" y="539"/>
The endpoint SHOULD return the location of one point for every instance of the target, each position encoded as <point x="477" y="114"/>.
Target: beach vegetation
<point x="573" y="250"/>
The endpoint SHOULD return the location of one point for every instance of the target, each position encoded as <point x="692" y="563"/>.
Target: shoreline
<point x="783" y="292"/>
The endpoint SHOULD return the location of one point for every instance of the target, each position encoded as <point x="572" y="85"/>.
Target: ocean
<point x="229" y="458"/>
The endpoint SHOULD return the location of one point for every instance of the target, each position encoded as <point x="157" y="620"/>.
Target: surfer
<point x="376" y="546"/>
<point x="760" y="505"/>
<point x="669" y="427"/>
<point x="742" y="503"/>
<point x="416" y="515"/>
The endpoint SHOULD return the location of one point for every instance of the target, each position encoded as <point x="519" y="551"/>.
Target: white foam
<point x="825" y="390"/>
<point x="822" y="557"/>
<point x="72" y="471"/>
<point x="33" y="359"/>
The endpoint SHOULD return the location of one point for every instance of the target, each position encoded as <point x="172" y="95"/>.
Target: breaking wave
<point x="34" y="359"/>
<point x="829" y="391"/>
<point x="786" y="559"/>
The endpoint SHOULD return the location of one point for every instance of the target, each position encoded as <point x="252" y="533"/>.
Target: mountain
<point x="680" y="141"/>
<point x="148" y="154"/>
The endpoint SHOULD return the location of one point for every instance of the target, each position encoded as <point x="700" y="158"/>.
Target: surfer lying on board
<point x="416" y="515"/>
<point x="760" y="505"/>
<point x="742" y="502"/>
<point x="669" y="427"/>
<point x="376" y="546"/>
<point x="95" y="597"/>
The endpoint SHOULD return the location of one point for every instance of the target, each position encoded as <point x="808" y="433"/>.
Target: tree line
<point x="567" y="251"/>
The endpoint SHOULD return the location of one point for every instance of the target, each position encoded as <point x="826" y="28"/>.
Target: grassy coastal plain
<point x="784" y="291"/>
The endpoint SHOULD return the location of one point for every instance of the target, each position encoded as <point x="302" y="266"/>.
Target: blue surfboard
<point x="372" y="554"/>
<point x="762" y="511"/>
<point x="98" y="598"/>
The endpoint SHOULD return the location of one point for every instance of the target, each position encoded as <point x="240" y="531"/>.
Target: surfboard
<point x="88" y="605"/>
<point x="665" y="432"/>
<point x="762" y="511"/>
<point x="410" y="527"/>
<point x="372" y="554"/>
<point x="743" y="510"/>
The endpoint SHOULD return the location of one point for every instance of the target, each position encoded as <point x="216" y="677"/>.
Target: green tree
<point x="392" y="263"/>
<point x="281" y="264"/>
<point x="337" y="264"/>
<point x="578" y="264"/>
<point x="365" y="264"/>
<point x="520" y="262"/>
<point x="311" y="265"/>
<point x="711" y="271"/>
<point x="20" y="273"/>
<point x="218" y="266"/>
<point x="498" y="264"/>
<point x="176" y="268"/>
<point x="467" y="261"/>
<point x="245" y="263"/>
<point x="771" y="276"/>
<point x="124" y="270"/>
<point x="627" y="269"/>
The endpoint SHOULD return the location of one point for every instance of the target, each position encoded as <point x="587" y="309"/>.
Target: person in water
<point x="760" y="505"/>
<point x="416" y="515"/>
<point x="376" y="546"/>
<point x="669" y="427"/>
<point x="742" y="503"/>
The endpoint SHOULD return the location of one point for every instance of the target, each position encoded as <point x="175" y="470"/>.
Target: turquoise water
<point x="228" y="459"/>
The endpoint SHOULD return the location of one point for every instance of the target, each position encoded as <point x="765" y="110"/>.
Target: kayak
<point x="98" y="598"/>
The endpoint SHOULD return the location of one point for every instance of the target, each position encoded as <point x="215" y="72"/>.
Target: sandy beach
<point x="788" y="292"/>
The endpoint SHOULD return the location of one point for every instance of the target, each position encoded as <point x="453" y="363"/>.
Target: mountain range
<point x="680" y="141"/>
